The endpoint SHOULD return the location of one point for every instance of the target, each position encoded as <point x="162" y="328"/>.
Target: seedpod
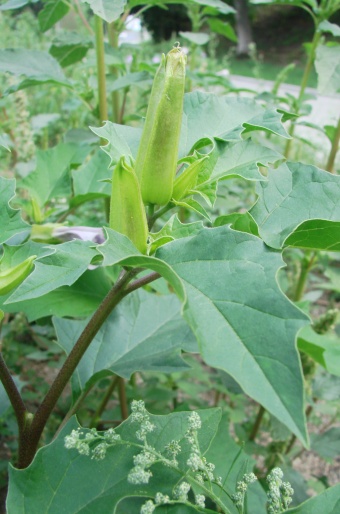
<point x="127" y="213"/>
<point x="158" y="150"/>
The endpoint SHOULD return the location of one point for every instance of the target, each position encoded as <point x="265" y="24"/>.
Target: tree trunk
<point x="243" y="28"/>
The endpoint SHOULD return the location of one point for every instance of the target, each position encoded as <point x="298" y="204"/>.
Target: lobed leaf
<point x="145" y="332"/>
<point x="62" y="267"/>
<point x="296" y="193"/>
<point x="11" y="222"/>
<point x="243" y="323"/>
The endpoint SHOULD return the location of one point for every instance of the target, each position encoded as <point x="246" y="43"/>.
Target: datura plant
<point x="149" y="288"/>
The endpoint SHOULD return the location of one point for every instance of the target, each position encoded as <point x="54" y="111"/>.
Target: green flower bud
<point x="127" y="213"/>
<point x="187" y="180"/>
<point x="158" y="150"/>
<point x="12" y="277"/>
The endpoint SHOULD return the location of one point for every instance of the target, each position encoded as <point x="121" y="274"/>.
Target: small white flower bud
<point x="200" y="500"/>
<point x="194" y="421"/>
<point x="148" y="507"/>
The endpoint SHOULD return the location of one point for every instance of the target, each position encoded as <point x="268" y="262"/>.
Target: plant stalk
<point x="100" y="53"/>
<point x="257" y="423"/>
<point x="13" y="394"/>
<point x="301" y="284"/>
<point x="103" y="403"/>
<point x="122" y="398"/>
<point x="303" y="85"/>
<point x="113" y="40"/>
<point x="334" y="149"/>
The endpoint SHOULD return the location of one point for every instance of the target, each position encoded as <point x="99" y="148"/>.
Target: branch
<point x="13" y="394"/>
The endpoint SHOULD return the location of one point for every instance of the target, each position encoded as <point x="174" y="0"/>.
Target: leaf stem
<point x="257" y="423"/>
<point x="334" y="149"/>
<point x="82" y="17"/>
<point x="122" y="398"/>
<point x="154" y="216"/>
<point x="101" y="407"/>
<point x="143" y="281"/>
<point x="73" y="410"/>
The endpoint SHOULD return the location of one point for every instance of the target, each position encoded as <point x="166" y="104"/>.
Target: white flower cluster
<point x="83" y="444"/>
<point x="280" y="493"/>
<point x="197" y="463"/>
<point x="141" y="416"/>
<point x="173" y="449"/>
<point x="241" y="489"/>
<point x="140" y="474"/>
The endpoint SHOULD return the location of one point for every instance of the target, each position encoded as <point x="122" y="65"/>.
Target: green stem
<point x="152" y="218"/>
<point x="103" y="113"/>
<point x="101" y="407"/>
<point x="301" y="284"/>
<point x="82" y="17"/>
<point x="122" y="398"/>
<point x="293" y="438"/>
<point x="334" y="149"/>
<point x="27" y="448"/>
<point x="303" y="85"/>
<point x="73" y="410"/>
<point x="113" y="40"/>
<point x="257" y="423"/>
<point x="143" y="281"/>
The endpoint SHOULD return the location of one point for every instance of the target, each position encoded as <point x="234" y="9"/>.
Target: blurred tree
<point x="243" y="28"/>
<point x="162" y="24"/>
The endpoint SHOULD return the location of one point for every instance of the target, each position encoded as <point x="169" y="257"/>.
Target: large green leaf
<point x="296" y="193"/>
<point x="243" y="322"/>
<point x="62" y="267"/>
<point x="327" y="502"/>
<point x="69" y="48"/>
<point x="324" y="349"/>
<point x="122" y="140"/>
<point x="207" y="115"/>
<point x="38" y="68"/>
<point x="145" y="332"/>
<point x="52" y="176"/>
<point x="11" y="222"/>
<point x="241" y="159"/>
<point x="316" y="235"/>
<point x="78" y="300"/>
<point x="108" y="10"/>
<point x="118" y="249"/>
<point x="79" y="485"/>
<point x="89" y="180"/>
<point x="52" y="12"/>
<point x="327" y="65"/>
